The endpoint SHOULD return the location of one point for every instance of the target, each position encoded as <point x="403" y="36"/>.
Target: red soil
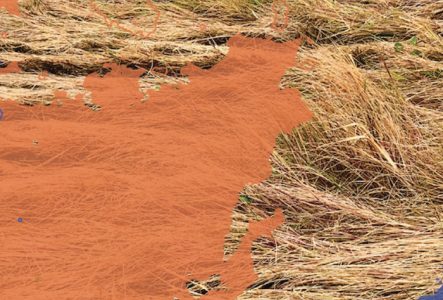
<point x="11" y="6"/>
<point x="134" y="200"/>
<point x="11" y="68"/>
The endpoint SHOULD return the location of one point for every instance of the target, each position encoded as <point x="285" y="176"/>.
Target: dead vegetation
<point x="361" y="185"/>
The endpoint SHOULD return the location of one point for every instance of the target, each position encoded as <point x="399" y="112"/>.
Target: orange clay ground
<point x="135" y="200"/>
<point x="110" y="189"/>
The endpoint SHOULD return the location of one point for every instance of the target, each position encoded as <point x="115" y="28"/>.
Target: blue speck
<point x="20" y="220"/>
<point x="437" y="296"/>
<point x="1" y="114"/>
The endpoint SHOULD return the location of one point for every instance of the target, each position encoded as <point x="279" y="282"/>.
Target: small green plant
<point x="397" y="76"/>
<point x="416" y="52"/>
<point x="413" y="41"/>
<point x="245" y="199"/>
<point x="398" y="47"/>
<point x="433" y="74"/>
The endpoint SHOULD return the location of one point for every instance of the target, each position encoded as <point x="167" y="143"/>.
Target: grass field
<point x="361" y="184"/>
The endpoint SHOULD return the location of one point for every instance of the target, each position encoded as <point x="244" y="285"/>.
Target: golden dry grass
<point x="362" y="184"/>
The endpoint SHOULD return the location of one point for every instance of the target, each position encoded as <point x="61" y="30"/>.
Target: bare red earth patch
<point x="134" y="200"/>
<point x="11" y="6"/>
<point x="11" y="68"/>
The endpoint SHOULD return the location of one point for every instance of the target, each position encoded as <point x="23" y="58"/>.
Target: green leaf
<point x="416" y="53"/>
<point x="413" y="41"/>
<point x="433" y="74"/>
<point x="397" y="76"/>
<point x="398" y="47"/>
<point x="245" y="199"/>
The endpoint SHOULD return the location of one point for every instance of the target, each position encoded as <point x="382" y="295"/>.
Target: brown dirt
<point x="136" y="199"/>
<point x="360" y="185"/>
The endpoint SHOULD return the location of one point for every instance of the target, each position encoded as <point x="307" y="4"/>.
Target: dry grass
<point x="362" y="184"/>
